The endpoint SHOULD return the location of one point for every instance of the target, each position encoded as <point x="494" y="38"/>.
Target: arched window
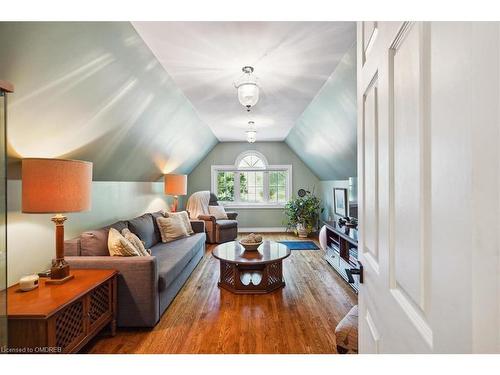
<point x="252" y="182"/>
<point x="251" y="160"/>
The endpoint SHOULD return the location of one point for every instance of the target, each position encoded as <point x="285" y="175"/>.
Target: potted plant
<point x="302" y="214"/>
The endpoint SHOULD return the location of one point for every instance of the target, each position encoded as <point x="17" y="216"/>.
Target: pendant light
<point x="248" y="89"/>
<point x="251" y="132"/>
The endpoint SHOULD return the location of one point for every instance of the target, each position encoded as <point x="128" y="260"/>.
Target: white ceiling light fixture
<point x="251" y="132"/>
<point x="248" y="89"/>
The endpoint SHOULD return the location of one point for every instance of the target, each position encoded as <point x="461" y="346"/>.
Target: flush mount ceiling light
<point x="251" y="132"/>
<point x="248" y="89"/>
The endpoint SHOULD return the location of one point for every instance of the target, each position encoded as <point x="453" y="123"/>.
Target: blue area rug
<point x="300" y="245"/>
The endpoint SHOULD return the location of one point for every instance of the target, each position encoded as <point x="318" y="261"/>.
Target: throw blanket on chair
<point x="197" y="204"/>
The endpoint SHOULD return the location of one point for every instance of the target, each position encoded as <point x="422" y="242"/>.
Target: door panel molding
<point x="410" y="289"/>
<point x="370" y="31"/>
<point x="374" y="333"/>
<point x="370" y="244"/>
<point x="415" y="316"/>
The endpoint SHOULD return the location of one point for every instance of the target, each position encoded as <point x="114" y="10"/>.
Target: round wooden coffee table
<point x="251" y="272"/>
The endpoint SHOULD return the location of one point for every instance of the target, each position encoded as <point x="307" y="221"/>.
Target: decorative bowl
<point x="251" y="246"/>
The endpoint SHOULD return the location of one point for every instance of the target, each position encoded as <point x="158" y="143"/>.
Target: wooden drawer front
<point x="69" y="326"/>
<point x="100" y="308"/>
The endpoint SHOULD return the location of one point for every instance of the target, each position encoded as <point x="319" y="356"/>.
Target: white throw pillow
<point x="119" y="245"/>
<point x="171" y="228"/>
<point x="185" y="219"/>
<point x="136" y="241"/>
<point x="218" y="212"/>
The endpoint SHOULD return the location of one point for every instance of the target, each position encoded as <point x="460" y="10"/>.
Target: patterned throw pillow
<point x="185" y="219"/>
<point x="218" y="212"/>
<point x="136" y="241"/>
<point x="119" y="245"/>
<point x="171" y="228"/>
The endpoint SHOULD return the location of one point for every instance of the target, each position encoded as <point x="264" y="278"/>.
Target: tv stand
<point x="342" y="250"/>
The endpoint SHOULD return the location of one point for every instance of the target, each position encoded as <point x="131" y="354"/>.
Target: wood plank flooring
<point x="300" y="318"/>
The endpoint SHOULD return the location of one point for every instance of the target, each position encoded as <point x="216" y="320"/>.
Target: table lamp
<point x="56" y="186"/>
<point x="175" y="184"/>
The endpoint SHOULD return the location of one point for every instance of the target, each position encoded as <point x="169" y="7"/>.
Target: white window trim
<point x="244" y="154"/>
<point x="269" y="168"/>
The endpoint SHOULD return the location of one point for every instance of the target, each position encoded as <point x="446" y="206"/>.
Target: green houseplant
<point x="302" y="214"/>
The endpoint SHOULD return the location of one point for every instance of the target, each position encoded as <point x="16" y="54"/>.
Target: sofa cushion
<point x="95" y="242"/>
<point x="156" y="215"/>
<point x="171" y="228"/>
<point x="144" y="228"/>
<point x="134" y="240"/>
<point x="218" y="212"/>
<point x="118" y="245"/>
<point x="172" y="257"/>
<point x="185" y="219"/>
<point x="226" y="224"/>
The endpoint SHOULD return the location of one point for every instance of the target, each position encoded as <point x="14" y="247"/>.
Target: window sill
<point x="253" y="205"/>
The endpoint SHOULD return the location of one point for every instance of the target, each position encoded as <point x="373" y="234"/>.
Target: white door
<point x="428" y="170"/>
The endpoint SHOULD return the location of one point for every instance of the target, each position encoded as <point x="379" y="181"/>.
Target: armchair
<point x="219" y="231"/>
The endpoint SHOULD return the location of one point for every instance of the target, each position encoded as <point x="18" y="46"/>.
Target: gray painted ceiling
<point x="292" y="60"/>
<point x="325" y="135"/>
<point x="94" y="91"/>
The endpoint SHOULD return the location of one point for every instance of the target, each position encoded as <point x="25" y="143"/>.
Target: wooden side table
<point x="61" y="318"/>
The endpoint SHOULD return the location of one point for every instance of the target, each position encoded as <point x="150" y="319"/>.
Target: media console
<point x="342" y="252"/>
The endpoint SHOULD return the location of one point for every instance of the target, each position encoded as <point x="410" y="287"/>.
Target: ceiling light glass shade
<point x="248" y="89"/>
<point x="251" y="136"/>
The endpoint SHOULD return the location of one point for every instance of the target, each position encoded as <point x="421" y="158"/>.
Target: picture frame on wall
<point x="340" y="201"/>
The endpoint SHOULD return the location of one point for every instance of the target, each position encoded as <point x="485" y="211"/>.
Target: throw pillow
<point x="185" y="219"/>
<point x="218" y="212"/>
<point x="136" y="241"/>
<point x="119" y="245"/>
<point x="171" y="228"/>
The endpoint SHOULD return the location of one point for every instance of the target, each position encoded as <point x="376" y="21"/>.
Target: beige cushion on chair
<point x="136" y="241"/>
<point x="346" y="333"/>
<point x="218" y="212"/>
<point x="185" y="219"/>
<point x="119" y="245"/>
<point x="171" y="228"/>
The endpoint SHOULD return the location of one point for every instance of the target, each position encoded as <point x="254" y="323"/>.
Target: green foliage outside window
<point x="225" y="186"/>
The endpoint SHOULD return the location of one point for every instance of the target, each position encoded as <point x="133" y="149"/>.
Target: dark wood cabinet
<point x="62" y="318"/>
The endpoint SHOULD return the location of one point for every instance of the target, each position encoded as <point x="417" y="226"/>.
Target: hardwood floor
<point x="300" y="318"/>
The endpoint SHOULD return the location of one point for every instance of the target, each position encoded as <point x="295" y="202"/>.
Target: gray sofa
<point x="146" y="285"/>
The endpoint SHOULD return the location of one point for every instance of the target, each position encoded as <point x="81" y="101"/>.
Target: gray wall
<point x="326" y="195"/>
<point x="325" y="135"/>
<point x="31" y="244"/>
<point x="94" y="91"/>
<point x="276" y="153"/>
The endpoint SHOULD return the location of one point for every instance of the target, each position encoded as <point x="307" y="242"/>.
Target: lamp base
<point x="59" y="272"/>
<point x="59" y="281"/>
<point x="173" y="207"/>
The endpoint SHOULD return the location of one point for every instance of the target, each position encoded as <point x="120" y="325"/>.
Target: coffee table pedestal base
<point x="251" y="278"/>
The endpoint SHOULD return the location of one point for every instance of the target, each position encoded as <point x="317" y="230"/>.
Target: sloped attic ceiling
<point x="325" y="135"/>
<point x="94" y="91"/>
<point x="292" y="61"/>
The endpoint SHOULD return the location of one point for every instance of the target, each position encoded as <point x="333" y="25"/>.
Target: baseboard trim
<point x="262" y="229"/>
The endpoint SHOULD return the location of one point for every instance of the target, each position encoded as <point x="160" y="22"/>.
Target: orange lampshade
<point x="175" y="184"/>
<point x="56" y="185"/>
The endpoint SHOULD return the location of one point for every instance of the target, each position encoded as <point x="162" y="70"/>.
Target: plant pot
<point x="302" y="231"/>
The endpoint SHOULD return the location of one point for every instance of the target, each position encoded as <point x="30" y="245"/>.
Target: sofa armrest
<point x="207" y="218"/>
<point x="231" y="215"/>
<point x="138" y="303"/>
<point x="198" y="226"/>
<point x="72" y="247"/>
